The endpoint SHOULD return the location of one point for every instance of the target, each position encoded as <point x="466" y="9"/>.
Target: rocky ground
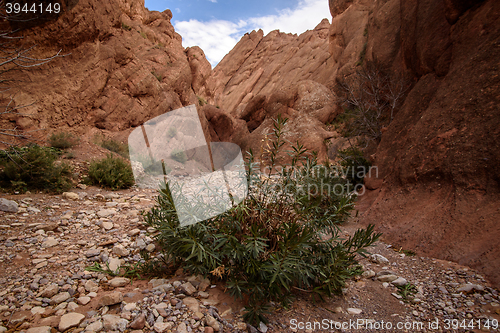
<point x="47" y="245"/>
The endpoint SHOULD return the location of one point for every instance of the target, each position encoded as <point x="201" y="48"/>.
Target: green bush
<point x="34" y="168"/>
<point x="201" y="100"/>
<point x="126" y="27"/>
<point x="115" y="146"/>
<point x="111" y="172"/>
<point x="179" y="156"/>
<point x="62" y="140"/>
<point x="355" y="164"/>
<point x="172" y="131"/>
<point x="159" y="77"/>
<point x="274" y="241"/>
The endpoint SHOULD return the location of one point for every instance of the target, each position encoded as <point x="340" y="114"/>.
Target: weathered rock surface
<point x="123" y="66"/>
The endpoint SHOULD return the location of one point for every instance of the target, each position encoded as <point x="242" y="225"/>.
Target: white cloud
<point x="306" y="16"/>
<point x="218" y="37"/>
<point x="214" y="1"/>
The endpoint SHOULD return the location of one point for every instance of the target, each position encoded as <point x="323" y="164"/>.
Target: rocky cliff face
<point x="124" y="65"/>
<point x="438" y="189"/>
<point x="277" y="74"/>
<point x="439" y="157"/>
<point x="438" y="161"/>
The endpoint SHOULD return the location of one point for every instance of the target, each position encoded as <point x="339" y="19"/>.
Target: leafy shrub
<point x="172" y="131"/>
<point x="126" y="27"/>
<point x="62" y="140"/>
<point x="284" y="236"/>
<point x="114" y="146"/>
<point x="159" y="77"/>
<point x="111" y="172"/>
<point x="34" y="168"/>
<point x="355" y="164"/>
<point x="179" y="156"/>
<point x="151" y="166"/>
<point x="201" y="101"/>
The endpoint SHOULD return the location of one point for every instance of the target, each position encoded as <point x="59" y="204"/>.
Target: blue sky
<point x="217" y="25"/>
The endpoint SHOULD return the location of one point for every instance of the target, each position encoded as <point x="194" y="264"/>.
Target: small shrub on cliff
<point x="159" y="77"/>
<point x="114" y="146"/>
<point x="62" y="140"/>
<point x="179" y="156"/>
<point x="34" y="168"/>
<point x="126" y="27"/>
<point x="355" y="164"/>
<point x="201" y="101"/>
<point x="111" y="172"/>
<point x="371" y="98"/>
<point x="283" y="237"/>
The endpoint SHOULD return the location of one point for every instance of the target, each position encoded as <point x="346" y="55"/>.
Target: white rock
<point x="61" y="297"/>
<point x="379" y="259"/>
<point x="106" y="212"/>
<point x="387" y="278"/>
<point x="134" y="232"/>
<point x="150" y="247"/>
<point x="182" y="328"/>
<point x="212" y="322"/>
<point x="354" y="311"/>
<point x="119" y="282"/>
<point x="399" y="282"/>
<point x="110" y="299"/>
<point x="96" y="326"/>
<point x="107" y="225"/>
<point x="114" y="264"/>
<point x="70" y="320"/>
<point x="8" y="206"/>
<point x="114" y="323"/>
<point x="40" y="329"/>
<point x="120" y="251"/>
<point x="368" y="274"/>
<point x="72" y="306"/>
<point x="37" y="309"/>
<point x="50" y="242"/>
<point x="130" y="307"/>
<point x="70" y="196"/>
<point x="91" y="286"/>
<point x="188" y="288"/>
<point x="160" y="327"/>
<point x="83" y="300"/>
<point x="50" y="291"/>
<point x="192" y="304"/>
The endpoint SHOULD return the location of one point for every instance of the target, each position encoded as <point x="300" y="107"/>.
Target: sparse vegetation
<point x="159" y="77"/>
<point x="179" y="156"/>
<point x="362" y="55"/>
<point x="371" y="98"/>
<point x="62" y="140"/>
<point x="113" y="145"/>
<point x="34" y="168"/>
<point x="147" y="266"/>
<point x="126" y="27"/>
<point x="408" y="253"/>
<point x="111" y="172"/>
<point x="143" y="35"/>
<point x="201" y="100"/>
<point x="274" y="242"/>
<point x="355" y="164"/>
<point x="172" y="131"/>
<point x="407" y="291"/>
